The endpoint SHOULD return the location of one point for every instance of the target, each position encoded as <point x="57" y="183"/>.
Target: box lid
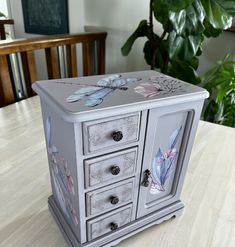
<point x="83" y="95"/>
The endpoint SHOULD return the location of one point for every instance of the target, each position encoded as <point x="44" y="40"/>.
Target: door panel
<point x="167" y="132"/>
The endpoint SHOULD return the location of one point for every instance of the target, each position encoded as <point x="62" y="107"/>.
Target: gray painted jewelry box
<point x="118" y="149"/>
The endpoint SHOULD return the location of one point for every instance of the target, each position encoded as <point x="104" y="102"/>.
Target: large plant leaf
<point x="184" y="70"/>
<point x="161" y="13"/>
<point x="220" y="82"/>
<point x="228" y="5"/>
<point x="211" y="111"/>
<point x="210" y="31"/>
<point x="186" y="38"/>
<point x="183" y="48"/>
<point x="141" y="31"/>
<point x="2" y="15"/>
<point x="161" y="55"/>
<point x="219" y="13"/>
<point x="188" y="21"/>
<point x="172" y="5"/>
<point x="162" y="8"/>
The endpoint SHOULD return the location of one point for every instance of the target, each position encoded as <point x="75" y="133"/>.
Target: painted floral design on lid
<point x="159" y="85"/>
<point x="148" y="89"/>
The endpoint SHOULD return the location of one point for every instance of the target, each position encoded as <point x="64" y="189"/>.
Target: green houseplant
<point x="186" y="23"/>
<point x="220" y="82"/>
<point x="2" y="15"/>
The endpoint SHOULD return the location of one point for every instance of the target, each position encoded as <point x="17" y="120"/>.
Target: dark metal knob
<point x="145" y="183"/>
<point x="117" y="136"/>
<point x="115" y="170"/>
<point x="114" y="200"/>
<point x="147" y="176"/>
<point x="113" y="226"/>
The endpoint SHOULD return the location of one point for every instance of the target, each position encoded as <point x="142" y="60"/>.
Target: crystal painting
<point x="164" y="163"/>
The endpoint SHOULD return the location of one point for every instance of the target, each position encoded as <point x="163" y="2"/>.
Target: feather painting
<point x="164" y="163"/>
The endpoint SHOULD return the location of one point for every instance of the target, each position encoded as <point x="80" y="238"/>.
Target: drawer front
<point x="111" y="132"/>
<point x="110" y="197"/>
<point x="110" y="168"/>
<point x="109" y="222"/>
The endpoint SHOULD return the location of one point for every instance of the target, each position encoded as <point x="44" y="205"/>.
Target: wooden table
<point x="209" y="189"/>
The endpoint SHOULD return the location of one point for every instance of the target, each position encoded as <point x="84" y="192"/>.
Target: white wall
<point x="215" y="49"/>
<point x="76" y="17"/>
<point x="120" y="18"/>
<point x="3" y="7"/>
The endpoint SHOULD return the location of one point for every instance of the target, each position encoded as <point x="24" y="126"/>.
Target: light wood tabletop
<point x="25" y="221"/>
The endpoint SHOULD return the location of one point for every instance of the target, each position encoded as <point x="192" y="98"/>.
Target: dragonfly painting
<point x="164" y="164"/>
<point x="95" y="94"/>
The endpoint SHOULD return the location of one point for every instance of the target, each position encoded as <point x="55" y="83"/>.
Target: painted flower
<point x="72" y="212"/>
<point x="157" y="78"/>
<point x="65" y="176"/>
<point x="148" y="89"/>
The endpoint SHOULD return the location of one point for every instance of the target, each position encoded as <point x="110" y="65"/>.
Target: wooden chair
<point x="93" y="48"/>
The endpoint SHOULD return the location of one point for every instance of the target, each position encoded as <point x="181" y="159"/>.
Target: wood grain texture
<point x="101" y="57"/>
<point x="6" y="88"/>
<point x="42" y="42"/>
<point x="25" y="221"/>
<point x="87" y="50"/>
<point x="27" y="47"/>
<point x="52" y="60"/>
<point x="71" y="59"/>
<point x="29" y="70"/>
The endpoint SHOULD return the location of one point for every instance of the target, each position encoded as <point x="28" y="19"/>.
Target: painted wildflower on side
<point x="61" y="176"/>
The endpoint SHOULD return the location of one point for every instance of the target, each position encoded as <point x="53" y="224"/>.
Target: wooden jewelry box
<point x="118" y="149"/>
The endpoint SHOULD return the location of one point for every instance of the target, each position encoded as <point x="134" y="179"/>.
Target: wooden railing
<point x="93" y="47"/>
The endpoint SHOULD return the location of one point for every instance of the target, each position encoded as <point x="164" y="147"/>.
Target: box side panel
<point x="60" y="142"/>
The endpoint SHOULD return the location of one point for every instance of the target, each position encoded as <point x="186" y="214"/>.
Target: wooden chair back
<point x="93" y="49"/>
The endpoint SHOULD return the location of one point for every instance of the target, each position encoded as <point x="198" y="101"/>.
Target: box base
<point x="173" y="210"/>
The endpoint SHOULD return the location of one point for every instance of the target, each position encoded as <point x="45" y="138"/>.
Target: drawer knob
<point x="147" y="177"/>
<point x="114" y="200"/>
<point x="115" y="170"/>
<point x="117" y="136"/>
<point x="113" y="226"/>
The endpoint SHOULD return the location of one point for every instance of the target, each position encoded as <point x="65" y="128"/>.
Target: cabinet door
<point x="169" y="137"/>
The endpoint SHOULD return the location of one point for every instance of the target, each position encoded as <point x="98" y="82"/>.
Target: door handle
<point x="147" y="176"/>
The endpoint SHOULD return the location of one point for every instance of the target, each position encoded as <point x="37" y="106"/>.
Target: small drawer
<point x="111" y="132"/>
<point x="109" y="222"/>
<point x="110" y="197"/>
<point x="110" y="168"/>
